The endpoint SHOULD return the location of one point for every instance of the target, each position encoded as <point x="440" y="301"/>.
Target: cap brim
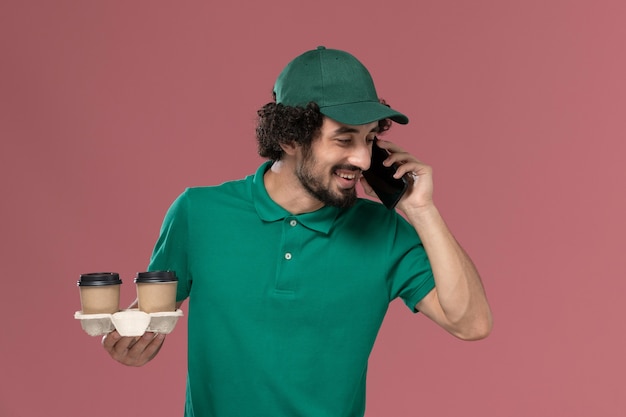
<point x="362" y="113"/>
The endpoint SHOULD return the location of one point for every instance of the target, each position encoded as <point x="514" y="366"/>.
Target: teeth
<point x="347" y="176"/>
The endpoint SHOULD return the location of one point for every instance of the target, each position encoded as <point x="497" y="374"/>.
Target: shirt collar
<point x="319" y="220"/>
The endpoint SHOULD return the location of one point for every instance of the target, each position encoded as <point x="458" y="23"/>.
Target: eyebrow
<point x="346" y="129"/>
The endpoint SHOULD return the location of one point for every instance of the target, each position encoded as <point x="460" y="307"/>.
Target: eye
<point x="344" y="141"/>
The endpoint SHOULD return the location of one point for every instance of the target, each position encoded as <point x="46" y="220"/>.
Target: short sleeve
<point x="171" y="249"/>
<point x="410" y="275"/>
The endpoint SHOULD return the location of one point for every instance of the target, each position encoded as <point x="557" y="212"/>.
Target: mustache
<point x="347" y="167"/>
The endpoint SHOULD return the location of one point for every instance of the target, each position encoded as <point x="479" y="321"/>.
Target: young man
<point x="289" y="274"/>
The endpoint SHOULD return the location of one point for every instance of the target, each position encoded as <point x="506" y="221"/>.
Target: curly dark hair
<point x="278" y="124"/>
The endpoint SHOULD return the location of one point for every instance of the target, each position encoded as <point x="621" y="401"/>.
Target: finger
<point x="367" y="188"/>
<point x="145" y="347"/>
<point x="399" y="157"/>
<point x="150" y="350"/>
<point x="389" y="146"/>
<point x="123" y="344"/>
<point x="154" y="346"/>
<point x="412" y="170"/>
<point x="110" y="339"/>
<point x="141" y="342"/>
<point x="395" y="152"/>
<point x="117" y="345"/>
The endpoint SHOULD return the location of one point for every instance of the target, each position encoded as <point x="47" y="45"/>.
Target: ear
<point x="290" y="148"/>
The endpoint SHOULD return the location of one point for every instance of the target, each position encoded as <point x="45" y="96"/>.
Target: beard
<point x="341" y="198"/>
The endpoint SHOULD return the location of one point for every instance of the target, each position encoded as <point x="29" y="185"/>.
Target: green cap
<point x="338" y="83"/>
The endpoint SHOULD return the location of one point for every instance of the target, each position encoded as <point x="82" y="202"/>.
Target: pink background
<point x="108" y="109"/>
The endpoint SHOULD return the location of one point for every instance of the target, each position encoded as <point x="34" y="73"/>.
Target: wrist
<point x="419" y="216"/>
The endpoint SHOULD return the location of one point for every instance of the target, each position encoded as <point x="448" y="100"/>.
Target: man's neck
<point x="285" y="189"/>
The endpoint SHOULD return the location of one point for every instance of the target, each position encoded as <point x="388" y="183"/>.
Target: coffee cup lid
<point x="156" y="276"/>
<point x="94" y="279"/>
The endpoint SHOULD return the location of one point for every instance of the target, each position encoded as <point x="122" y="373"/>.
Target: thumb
<point x="367" y="188"/>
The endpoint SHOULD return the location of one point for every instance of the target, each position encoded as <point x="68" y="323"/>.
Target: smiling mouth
<point x="347" y="179"/>
<point x="346" y="176"/>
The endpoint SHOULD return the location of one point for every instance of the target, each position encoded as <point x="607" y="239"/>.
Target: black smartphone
<point x="388" y="189"/>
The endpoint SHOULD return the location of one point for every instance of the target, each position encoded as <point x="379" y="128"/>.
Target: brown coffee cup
<point x="100" y="292"/>
<point x="156" y="291"/>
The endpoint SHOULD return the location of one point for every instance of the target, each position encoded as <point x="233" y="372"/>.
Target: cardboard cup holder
<point x="131" y="322"/>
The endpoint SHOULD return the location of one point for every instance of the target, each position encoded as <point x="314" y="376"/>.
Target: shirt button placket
<point x="292" y="223"/>
<point x="285" y="279"/>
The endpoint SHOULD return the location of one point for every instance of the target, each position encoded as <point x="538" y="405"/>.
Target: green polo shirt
<point x="284" y="310"/>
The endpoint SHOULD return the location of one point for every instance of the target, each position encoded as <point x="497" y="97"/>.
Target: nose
<point x="361" y="156"/>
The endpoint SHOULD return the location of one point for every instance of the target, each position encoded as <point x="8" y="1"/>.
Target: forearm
<point x="458" y="302"/>
<point x="460" y="292"/>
